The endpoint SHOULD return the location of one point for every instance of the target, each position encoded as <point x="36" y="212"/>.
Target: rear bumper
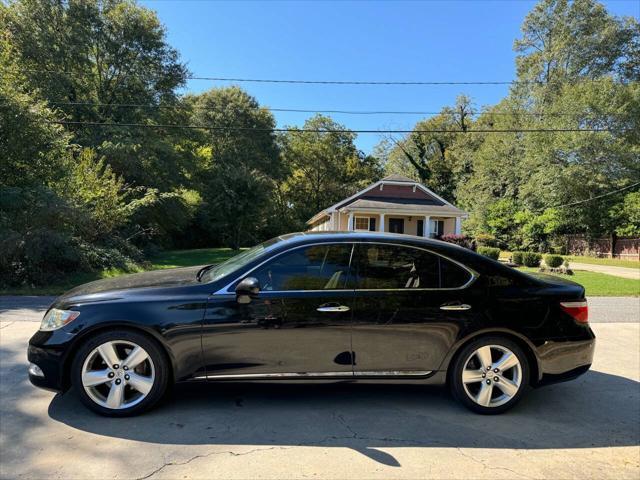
<point x="562" y="361"/>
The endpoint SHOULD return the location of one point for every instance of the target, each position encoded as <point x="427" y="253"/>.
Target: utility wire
<point x="597" y="196"/>
<point x="348" y="82"/>
<point x="346" y="112"/>
<point x="319" y="130"/>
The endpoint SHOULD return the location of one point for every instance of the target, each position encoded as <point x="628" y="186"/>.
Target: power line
<point x="597" y="196"/>
<point x="351" y="82"/>
<point x="346" y="112"/>
<point x="319" y="130"/>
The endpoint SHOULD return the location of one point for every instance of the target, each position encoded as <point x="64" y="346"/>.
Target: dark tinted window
<point x="452" y="275"/>
<point x="319" y="267"/>
<point x="388" y="266"/>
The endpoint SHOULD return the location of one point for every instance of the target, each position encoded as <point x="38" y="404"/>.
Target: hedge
<point x="516" y="257"/>
<point x="531" y="259"/>
<point x="553" y="261"/>
<point x="490" y="252"/>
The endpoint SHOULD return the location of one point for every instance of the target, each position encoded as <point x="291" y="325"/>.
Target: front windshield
<point x="238" y="261"/>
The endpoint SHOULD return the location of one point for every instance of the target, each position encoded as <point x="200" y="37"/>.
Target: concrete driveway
<point x="582" y="429"/>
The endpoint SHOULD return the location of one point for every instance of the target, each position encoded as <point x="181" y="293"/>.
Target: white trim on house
<point x="380" y="183"/>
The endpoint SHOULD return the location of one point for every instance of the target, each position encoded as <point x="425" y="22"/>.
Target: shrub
<point x="553" y="261"/>
<point x="461" y="240"/>
<point x="490" y="252"/>
<point x="516" y="257"/>
<point x="486" y="240"/>
<point x="531" y="259"/>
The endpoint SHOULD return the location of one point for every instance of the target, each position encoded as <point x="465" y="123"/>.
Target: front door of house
<point x="396" y="225"/>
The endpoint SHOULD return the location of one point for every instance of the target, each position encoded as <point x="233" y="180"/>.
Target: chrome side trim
<point x="259" y="376"/>
<point x="396" y="373"/>
<point x="474" y="275"/>
<point x="267" y="376"/>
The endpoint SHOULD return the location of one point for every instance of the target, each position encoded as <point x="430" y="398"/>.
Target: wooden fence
<point x="625" y="248"/>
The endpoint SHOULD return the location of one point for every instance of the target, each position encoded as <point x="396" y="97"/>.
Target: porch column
<point x="350" y="224"/>
<point x="426" y="228"/>
<point x="382" y="222"/>
<point x="458" y="229"/>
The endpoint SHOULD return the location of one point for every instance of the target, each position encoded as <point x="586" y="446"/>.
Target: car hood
<point x="101" y="289"/>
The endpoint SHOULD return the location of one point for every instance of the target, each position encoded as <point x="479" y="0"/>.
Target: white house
<point x="394" y="204"/>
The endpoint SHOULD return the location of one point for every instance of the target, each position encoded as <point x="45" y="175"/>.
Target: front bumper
<point x="50" y="360"/>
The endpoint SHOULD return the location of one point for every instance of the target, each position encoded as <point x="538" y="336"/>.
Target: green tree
<point x="238" y="169"/>
<point x="324" y="166"/>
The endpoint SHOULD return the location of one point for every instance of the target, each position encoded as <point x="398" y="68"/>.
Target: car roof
<point x="360" y="236"/>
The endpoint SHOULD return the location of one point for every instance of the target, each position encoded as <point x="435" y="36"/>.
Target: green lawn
<point x="612" y="262"/>
<point x="600" y="284"/>
<point x="168" y="259"/>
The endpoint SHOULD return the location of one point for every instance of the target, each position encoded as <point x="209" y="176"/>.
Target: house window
<point x="437" y="228"/>
<point x="362" y="223"/>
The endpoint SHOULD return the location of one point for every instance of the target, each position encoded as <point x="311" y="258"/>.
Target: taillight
<point x="578" y="310"/>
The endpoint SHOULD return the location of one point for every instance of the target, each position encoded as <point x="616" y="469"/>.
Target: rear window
<point x="452" y="275"/>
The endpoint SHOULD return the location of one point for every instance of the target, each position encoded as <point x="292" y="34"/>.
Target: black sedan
<point x="317" y="307"/>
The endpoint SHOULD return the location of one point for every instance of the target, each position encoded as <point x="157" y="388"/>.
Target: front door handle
<point x="333" y="308"/>
<point x="455" y="307"/>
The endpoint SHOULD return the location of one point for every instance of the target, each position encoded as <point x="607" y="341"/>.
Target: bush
<point x="531" y="259"/>
<point x="486" y="240"/>
<point x="516" y="257"/>
<point x="461" y="240"/>
<point x="553" y="261"/>
<point x="489" y="252"/>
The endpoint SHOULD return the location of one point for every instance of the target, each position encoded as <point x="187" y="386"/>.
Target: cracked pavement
<point x="588" y="428"/>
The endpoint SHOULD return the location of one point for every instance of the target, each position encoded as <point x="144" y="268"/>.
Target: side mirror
<point x="247" y="289"/>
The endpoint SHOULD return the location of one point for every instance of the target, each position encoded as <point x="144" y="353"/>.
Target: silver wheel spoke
<point x="472" y="376"/>
<point x="92" y="378"/>
<point x="140" y="383"/>
<point x="116" y="396"/>
<point x="108" y="354"/>
<point x="135" y="358"/>
<point x="507" y="361"/>
<point x="484" y="396"/>
<point x="107" y="387"/>
<point x="484" y="355"/>
<point x="507" y="386"/>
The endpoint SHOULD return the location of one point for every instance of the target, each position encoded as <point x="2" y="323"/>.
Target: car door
<point x="409" y="307"/>
<point x="298" y="324"/>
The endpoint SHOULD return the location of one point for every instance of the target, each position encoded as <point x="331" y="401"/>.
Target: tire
<point x="479" y="391"/>
<point x="138" y="388"/>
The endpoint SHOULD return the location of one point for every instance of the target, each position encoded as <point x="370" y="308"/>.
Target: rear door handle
<point x="455" y="307"/>
<point x="333" y="308"/>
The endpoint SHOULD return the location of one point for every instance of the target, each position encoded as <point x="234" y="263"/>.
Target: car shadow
<point x="596" y="410"/>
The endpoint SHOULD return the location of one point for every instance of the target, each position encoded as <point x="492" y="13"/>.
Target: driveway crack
<point x="205" y="455"/>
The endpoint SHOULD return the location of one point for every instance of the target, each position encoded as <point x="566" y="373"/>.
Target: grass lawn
<point x="600" y="284"/>
<point x="168" y="259"/>
<point x="611" y="262"/>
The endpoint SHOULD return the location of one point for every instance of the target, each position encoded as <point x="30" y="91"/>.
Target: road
<point x="587" y="428"/>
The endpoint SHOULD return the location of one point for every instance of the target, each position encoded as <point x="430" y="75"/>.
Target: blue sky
<point x="442" y="40"/>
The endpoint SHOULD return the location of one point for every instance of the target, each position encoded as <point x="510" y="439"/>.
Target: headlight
<point x="55" y="319"/>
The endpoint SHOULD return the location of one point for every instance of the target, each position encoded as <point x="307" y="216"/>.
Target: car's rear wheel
<point x="490" y="375"/>
<point x="120" y="373"/>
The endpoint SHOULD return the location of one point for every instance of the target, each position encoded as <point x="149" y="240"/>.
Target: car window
<point x="318" y="267"/>
<point x="452" y="275"/>
<point x="395" y="267"/>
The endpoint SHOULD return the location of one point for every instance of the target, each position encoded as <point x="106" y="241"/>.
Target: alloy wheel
<point x="118" y="374"/>
<point x="492" y="375"/>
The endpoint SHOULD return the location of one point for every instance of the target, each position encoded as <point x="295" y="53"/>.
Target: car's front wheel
<point x="120" y="373"/>
<point x="489" y="375"/>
